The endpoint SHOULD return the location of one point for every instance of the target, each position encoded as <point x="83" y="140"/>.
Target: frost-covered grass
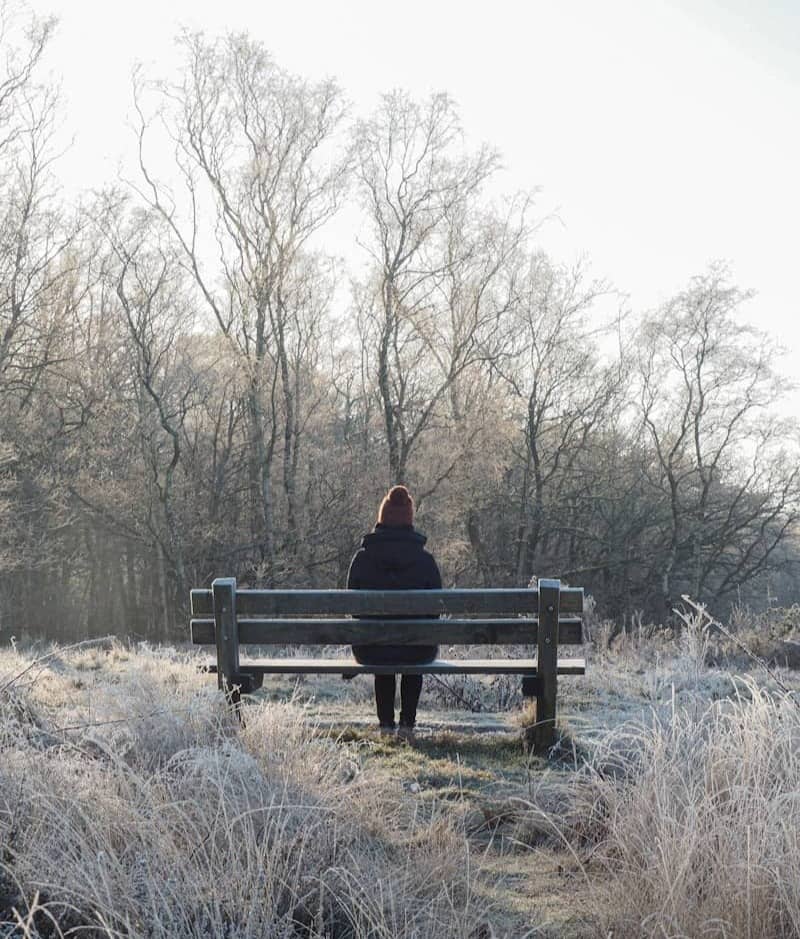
<point x="132" y="804"/>
<point x="690" y="820"/>
<point x="682" y="814"/>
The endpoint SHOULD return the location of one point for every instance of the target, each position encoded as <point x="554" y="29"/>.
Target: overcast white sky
<point x="666" y="133"/>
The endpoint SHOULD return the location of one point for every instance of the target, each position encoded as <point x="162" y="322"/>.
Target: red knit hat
<point x="397" y="508"/>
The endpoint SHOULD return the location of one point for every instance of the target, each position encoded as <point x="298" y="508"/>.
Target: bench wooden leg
<point x="226" y="632"/>
<point x="541" y="736"/>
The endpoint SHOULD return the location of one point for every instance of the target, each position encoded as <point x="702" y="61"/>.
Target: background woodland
<point x="194" y="384"/>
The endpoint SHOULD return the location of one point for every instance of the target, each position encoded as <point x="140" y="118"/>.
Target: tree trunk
<point x="262" y="461"/>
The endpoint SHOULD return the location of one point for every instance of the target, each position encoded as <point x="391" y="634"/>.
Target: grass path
<point x="473" y="768"/>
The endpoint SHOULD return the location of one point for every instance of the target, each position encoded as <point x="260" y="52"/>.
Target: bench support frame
<point x="541" y="736"/>
<point x="227" y="636"/>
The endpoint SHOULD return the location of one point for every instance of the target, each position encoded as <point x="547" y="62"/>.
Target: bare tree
<point x="707" y="385"/>
<point x="156" y="311"/>
<point x="567" y="394"/>
<point x="253" y="148"/>
<point x="38" y="287"/>
<point x="435" y="292"/>
<point x="34" y="234"/>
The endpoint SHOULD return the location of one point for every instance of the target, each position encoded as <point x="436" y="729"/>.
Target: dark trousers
<point x="410" y="690"/>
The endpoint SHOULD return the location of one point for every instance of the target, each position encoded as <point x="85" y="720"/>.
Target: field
<point x="132" y="804"/>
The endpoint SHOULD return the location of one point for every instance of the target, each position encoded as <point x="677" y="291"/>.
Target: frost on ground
<point x="132" y="804"/>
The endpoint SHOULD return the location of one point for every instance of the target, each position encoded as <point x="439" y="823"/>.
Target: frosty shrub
<point x="689" y="822"/>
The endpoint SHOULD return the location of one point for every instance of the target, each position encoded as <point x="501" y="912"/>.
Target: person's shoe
<point x="386" y="730"/>
<point x="406" y="732"/>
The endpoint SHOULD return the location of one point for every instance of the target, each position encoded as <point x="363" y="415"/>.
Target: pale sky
<point x="664" y="133"/>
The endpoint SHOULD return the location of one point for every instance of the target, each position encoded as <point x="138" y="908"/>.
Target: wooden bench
<point x="547" y="617"/>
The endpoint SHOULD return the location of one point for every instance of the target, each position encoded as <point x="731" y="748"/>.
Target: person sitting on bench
<point x="393" y="557"/>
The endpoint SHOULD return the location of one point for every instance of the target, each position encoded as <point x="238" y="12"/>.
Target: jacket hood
<point x="390" y="535"/>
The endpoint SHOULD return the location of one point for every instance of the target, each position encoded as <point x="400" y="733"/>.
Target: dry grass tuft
<point x="689" y="821"/>
<point x="131" y="805"/>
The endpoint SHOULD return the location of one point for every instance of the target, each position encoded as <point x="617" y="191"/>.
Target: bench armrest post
<point x="543" y="735"/>
<point x="227" y="634"/>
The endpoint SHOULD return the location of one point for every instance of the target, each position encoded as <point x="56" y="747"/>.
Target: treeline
<point x="192" y="386"/>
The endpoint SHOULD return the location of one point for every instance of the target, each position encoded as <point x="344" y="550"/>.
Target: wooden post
<point x="226" y="631"/>
<point x="547" y="666"/>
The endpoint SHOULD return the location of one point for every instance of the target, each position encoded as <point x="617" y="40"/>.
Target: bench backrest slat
<point x="381" y="632"/>
<point x="269" y="603"/>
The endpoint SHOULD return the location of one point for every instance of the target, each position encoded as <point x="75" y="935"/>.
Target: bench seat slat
<point x="386" y="602"/>
<point x="349" y="666"/>
<point x="421" y="631"/>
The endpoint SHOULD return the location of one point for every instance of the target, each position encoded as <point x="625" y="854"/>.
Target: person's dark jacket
<point x="392" y="558"/>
